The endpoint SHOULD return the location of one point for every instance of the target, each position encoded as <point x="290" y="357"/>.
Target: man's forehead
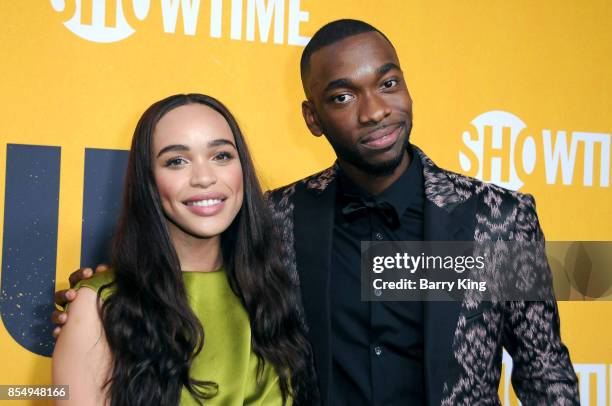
<point x="353" y="56"/>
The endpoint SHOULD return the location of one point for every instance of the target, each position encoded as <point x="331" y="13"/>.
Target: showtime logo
<point x="105" y="21"/>
<point x="102" y="25"/>
<point x="498" y="150"/>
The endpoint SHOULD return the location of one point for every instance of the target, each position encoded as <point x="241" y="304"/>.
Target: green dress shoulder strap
<point x="97" y="281"/>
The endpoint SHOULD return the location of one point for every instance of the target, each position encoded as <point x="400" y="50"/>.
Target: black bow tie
<point x="358" y="207"/>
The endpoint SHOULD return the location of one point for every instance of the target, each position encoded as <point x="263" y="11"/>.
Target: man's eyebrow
<point x="173" y="147"/>
<point x="387" y="67"/>
<point x="343" y="82"/>
<point x="337" y="84"/>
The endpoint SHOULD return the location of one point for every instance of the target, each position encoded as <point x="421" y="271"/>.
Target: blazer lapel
<point x="314" y="218"/>
<point x="449" y="215"/>
<point x="441" y="317"/>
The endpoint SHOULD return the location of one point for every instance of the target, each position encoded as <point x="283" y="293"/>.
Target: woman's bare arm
<point x="82" y="358"/>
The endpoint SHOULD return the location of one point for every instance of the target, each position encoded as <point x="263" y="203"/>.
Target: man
<point x="399" y="353"/>
<point x="382" y="188"/>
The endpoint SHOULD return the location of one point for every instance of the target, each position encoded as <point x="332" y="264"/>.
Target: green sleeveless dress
<point x="227" y="357"/>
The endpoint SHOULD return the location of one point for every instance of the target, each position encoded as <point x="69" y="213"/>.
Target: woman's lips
<point x="383" y="138"/>
<point x="205" y="207"/>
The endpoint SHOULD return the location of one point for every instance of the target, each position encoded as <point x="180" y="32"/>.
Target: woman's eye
<point x="176" y="161"/>
<point x="223" y="156"/>
<point x="343" y="98"/>
<point x="390" y="83"/>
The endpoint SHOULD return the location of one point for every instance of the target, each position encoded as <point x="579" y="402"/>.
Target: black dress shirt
<point x="377" y="347"/>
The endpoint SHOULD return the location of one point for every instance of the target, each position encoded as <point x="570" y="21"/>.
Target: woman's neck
<point x="196" y="254"/>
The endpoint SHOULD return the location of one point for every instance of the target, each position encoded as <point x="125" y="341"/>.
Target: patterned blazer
<point x="463" y="339"/>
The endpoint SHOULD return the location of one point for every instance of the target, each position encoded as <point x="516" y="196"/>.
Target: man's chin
<point x="379" y="164"/>
<point x="387" y="166"/>
<point x="383" y="168"/>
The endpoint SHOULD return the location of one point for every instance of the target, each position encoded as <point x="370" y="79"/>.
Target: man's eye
<point x="223" y="156"/>
<point x="390" y="83"/>
<point x="176" y="161"/>
<point x="343" y="98"/>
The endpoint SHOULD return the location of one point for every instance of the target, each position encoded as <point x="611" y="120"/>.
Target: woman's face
<point x="197" y="171"/>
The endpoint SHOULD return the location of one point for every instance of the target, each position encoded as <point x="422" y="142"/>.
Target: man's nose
<point x="373" y="109"/>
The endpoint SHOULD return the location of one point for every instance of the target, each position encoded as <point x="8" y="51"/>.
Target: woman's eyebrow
<point x="219" y="142"/>
<point x="180" y="147"/>
<point x="173" y="147"/>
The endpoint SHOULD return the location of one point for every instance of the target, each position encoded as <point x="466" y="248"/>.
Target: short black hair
<point x="331" y="33"/>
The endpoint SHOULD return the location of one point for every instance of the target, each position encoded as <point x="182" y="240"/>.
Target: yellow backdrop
<point x="513" y="92"/>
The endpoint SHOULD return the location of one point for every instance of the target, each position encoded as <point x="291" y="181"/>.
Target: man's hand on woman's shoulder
<point x="65" y="296"/>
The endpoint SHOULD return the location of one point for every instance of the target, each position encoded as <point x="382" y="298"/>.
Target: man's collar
<point x="444" y="189"/>
<point x="406" y="191"/>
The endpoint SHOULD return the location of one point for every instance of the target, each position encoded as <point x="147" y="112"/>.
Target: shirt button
<point x="378" y="350"/>
<point x="379" y="236"/>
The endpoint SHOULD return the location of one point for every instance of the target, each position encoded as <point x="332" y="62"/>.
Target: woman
<point x="194" y="252"/>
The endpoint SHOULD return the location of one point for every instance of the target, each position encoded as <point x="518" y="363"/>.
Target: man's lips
<point x="383" y="137"/>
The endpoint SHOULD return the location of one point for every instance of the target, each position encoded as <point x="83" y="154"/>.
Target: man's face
<point x="358" y="99"/>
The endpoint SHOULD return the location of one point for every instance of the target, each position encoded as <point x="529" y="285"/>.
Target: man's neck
<point x="374" y="184"/>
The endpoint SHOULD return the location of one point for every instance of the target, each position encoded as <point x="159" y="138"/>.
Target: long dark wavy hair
<point x="151" y="330"/>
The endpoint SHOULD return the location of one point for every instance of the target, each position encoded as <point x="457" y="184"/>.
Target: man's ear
<point x="311" y="119"/>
